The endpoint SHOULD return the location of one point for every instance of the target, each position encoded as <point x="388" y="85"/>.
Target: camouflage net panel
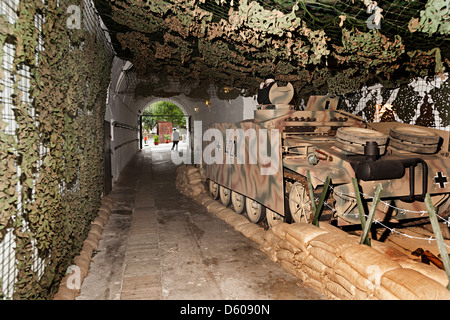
<point x="441" y="99"/>
<point x="318" y="46"/>
<point x="424" y="102"/>
<point x="60" y="189"/>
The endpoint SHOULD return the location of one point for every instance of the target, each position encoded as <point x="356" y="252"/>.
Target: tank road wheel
<point x="273" y="218"/>
<point x="225" y="196"/>
<point x="414" y="135"/>
<point x="255" y="211"/>
<point x="353" y="139"/>
<point x="414" y="139"/>
<point x="361" y="135"/>
<point x="213" y="190"/>
<point x="238" y="201"/>
<point x="300" y="203"/>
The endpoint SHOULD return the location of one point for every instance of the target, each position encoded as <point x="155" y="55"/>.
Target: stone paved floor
<point x="159" y="245"/>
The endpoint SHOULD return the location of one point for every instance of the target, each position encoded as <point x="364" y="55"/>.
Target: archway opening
<point x="159" y="119"/>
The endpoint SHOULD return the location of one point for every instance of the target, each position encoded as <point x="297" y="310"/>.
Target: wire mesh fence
<point x="18" y="79"/>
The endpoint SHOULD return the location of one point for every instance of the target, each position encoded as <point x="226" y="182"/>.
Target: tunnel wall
<point x="124" y="107"/>
<point x="123" y="118"/>
<point x="55" y="68"/>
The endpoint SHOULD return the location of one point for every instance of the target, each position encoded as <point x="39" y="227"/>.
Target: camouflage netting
<point x="52" y="165"/>
<point x="319" y="46"/>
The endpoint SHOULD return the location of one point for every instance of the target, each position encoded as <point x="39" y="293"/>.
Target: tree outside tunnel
<point x="162" y="111"/>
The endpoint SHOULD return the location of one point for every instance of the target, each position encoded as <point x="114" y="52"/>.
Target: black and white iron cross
<point x="440" y="179"/>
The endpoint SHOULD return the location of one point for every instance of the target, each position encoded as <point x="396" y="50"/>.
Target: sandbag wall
<point x="71" y="283"/>
<point x="327" y="258"/>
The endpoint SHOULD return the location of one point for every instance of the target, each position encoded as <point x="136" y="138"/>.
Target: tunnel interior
<point x="77" y="75"/>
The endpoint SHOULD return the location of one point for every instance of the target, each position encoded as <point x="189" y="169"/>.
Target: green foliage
<point x="163" y="111"/>
<point x="61" y="189"/>
<point x="435" y="18"/>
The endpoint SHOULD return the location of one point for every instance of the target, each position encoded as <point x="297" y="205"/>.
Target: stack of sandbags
<point x="71" y="283"/>
<point x="335" y="264"/>
<point x="427" y="270"/>
<point x="189" y="181"/>
<point x="327" y="258"/>
<point x="409" y="284"/>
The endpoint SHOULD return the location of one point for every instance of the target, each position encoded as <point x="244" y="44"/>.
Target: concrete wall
<point x="123" y="110"/>
<point x="123" y="119"/>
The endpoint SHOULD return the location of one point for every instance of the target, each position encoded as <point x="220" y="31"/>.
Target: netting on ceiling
<point x="327" y="15"/>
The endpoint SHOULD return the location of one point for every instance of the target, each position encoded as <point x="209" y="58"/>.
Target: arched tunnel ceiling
<point x="319" y="46"/>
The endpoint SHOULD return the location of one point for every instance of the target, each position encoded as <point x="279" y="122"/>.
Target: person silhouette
<point x="175" y="139"/>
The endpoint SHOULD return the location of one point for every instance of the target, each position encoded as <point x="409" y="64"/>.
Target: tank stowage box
<point x="260" y="165"/>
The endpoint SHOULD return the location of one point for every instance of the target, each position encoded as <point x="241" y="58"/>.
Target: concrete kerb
<point x="70" y="285"/>
<point x="338" y="267"/>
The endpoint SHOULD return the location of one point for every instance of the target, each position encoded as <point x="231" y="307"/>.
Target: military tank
<point x="409" y="161"/>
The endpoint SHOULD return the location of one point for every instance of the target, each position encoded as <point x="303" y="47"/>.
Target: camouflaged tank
<point x="409" y="161"/>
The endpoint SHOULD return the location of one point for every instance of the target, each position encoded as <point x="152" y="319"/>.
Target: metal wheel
<point x="255" y="211"/>
<point x="353" y="139"/>
<point x="225" y="196"/>
<point x="238" y="201"/>
<point x="414" y="135"/>
<point x="414" y="147"/>
<point x="300" y="203"/>
<point x="361" y="135"/>
<point x="273" y="218"/>
<point x="213" y="190"/>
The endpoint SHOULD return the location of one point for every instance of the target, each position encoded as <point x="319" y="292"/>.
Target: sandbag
<point x="300" y="257"/>
<point x="383" y="294"/>
<point x="324" y="256"/>
<point x="272" y="253"/>
<point x="354" y="277"/>
<point x="258" y="236"/>
<point x="225" y="214"/>
<point x="325" y="225"/>
<point x="284" y="244"/>
<point x="202" y="198"/>
<point x="190" y="170"/>
<point x="271" y="237"/>
<point x="304" y="233"/>
<point x="195" y="177"/>
<point x="214" y="207"/>
<point x="337" y="290"/>
<point x="388" y="251"/>
<point x="408" y="284"/>
<point x="285" y="255"/>
<point x="64" y="293"/>
<point x="312" y="274"/>
<point x="208" y="202"/>
<point x="248" y="228"/>
<point x="195" y="189"/>
<point x="347" y="285"/>
<point x="280" y="230"/>
<point x="96" y="229"/>
<point x="368" y="262"/>
<point x="236" y="220"/>
<point x="315" y="265"/>
<point x="334" y="242"/>
<point x="289" y="267"/>
<point x="315" y="284"/>
<point x="427" y="270"/>
<point x="296" y="243"/>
